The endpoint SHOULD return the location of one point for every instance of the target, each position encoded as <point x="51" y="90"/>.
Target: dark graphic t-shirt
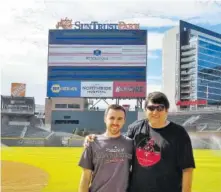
<point x="159" y="157"/>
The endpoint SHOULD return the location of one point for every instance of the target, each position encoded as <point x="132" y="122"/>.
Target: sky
<point x="25" y="24"/>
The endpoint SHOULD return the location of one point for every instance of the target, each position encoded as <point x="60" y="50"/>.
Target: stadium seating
<point x="212" y="121"/>
<point x="33" y="132"/>
<point x="11" y="130"/>
<point x="179" y="119"/>
<point x="204" y="121"/>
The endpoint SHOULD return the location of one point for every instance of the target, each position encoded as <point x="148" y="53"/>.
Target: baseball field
<point x="45" y="169"/>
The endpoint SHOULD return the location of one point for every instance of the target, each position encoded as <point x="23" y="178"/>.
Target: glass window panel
<point x="209" y="52"/>
<point x="60" y="106"/>
<point x="205" y="82"/>
<point x="74" y="106"/>
<point x="210" y="90"/>
<point x="209" y="46"/>
<point x="209" y="71"/>
<point x="203" y="95"/>
<point x="209" y="58"/>
<point x="210" y="77"/>
<point x="209" y="39"/>
<point x="209" y="64"/>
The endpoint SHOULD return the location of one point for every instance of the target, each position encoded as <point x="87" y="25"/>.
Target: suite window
<point x="61" y="106"/>
<point x="74" y="106"/>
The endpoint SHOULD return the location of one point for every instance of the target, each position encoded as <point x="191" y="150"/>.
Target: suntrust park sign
<point x="97" y="89"/>
<point x="129" y="89"/>
<point x="95" y="25"/>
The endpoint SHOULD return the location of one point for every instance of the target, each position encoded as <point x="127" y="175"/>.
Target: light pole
<point x="207" y="94"/>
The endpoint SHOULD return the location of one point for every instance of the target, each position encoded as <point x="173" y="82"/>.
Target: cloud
<point x="155" y="41"/>
<point x="25" y="24"/>
<point x="148" y="21"/>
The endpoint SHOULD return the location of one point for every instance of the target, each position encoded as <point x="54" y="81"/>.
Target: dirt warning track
<point x="21" y="177"/>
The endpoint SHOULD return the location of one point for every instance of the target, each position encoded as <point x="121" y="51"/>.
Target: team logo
<point x="148" y="153"/>
<point x="97" y="52"/>
<point x="97" y="56"/>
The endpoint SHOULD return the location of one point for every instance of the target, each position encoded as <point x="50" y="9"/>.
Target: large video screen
<point x="97" y="55"/>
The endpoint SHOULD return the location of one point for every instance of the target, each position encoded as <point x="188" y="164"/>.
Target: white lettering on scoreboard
<point x="97" y="89"/>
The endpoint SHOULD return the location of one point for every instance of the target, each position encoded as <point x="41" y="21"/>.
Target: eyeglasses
<point x="159" y="108"/>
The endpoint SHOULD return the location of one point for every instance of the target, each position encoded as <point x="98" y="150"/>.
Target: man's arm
<point x="186" y="161"/>
<point x="86" y="163"/>
<point x="187" y="180"/>
<point x="85" y="180"/>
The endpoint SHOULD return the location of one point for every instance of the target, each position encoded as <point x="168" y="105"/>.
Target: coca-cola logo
<point x="132" y="89"/>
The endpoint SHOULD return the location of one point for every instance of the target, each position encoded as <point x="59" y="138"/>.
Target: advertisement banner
<point x="18" y="105"/>
<point x="18" y="89"/>
<point x="188" y="103"/>
<point x="129" y="89"/>
<point x="64" y="89"/>
<point x="97" y="89"/>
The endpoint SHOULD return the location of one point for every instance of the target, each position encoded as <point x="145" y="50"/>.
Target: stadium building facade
<point x="191" y="67"/>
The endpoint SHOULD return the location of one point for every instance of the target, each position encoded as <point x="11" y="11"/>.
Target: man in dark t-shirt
<point x="162" y="157"/>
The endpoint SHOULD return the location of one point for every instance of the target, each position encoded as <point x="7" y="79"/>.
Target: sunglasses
<point x="159" y="108"/>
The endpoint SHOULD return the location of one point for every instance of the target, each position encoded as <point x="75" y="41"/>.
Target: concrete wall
<point x="170" y="66"/>
<point x="90" y="120"/>
<point x="141" y="115"/>
<point x="50" y="106"/>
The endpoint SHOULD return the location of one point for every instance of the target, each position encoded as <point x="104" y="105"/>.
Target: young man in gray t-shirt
<point x="106" y="161"/>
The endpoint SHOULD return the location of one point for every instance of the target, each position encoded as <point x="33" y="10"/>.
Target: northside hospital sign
<point x="68" y="24"/>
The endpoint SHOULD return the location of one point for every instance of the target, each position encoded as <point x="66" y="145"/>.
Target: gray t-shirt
<point x="110" y="160"/>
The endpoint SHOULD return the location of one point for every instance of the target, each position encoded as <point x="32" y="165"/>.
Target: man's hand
<point x="88" y="139"/>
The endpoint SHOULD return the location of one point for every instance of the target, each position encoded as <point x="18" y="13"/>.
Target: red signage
<point x="129" y="89"/>
<point x="126" y="107"/>
<point x="188" y="103"/>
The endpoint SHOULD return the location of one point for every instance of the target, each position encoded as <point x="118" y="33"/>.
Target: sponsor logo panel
<point x="97" y="89"/>
<point x="129" y="89"/>
<point x="64" y="89"/>
<point x="18" y="89"/>
<point x="194" y="102"/>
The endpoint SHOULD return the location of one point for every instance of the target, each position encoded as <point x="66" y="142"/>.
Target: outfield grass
<point x="64" y="174"/>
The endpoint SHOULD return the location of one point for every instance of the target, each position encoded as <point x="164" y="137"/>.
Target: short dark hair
<point x="157" y="97"/>
<point x="115" y="107"/>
